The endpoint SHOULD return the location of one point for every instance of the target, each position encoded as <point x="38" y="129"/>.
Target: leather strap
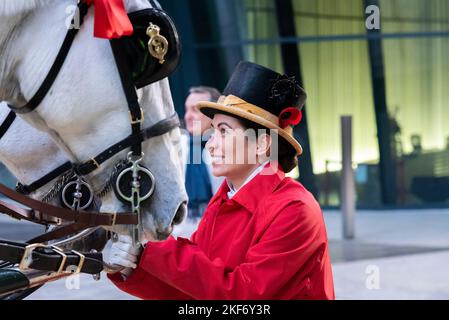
<point x="43" y="213"/>
<point x="50" y="260"/>
<point x="20" y="213"/>
<point x="11" y="281"/>
<point x="58" y="233"/>
<point x="39" y="209"/>
<point x="34" y="102"/>
<point x="130" y="91"/>
<point x="158" y="129"/>
<point x="84" y="220"/>
<point x="7" y="123"/>
<point x="28" y="189"/>
<point x="134" y="141"/>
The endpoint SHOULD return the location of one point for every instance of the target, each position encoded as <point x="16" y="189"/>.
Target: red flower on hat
<point x="290" y="117"/>
<point x="111" y="19"/>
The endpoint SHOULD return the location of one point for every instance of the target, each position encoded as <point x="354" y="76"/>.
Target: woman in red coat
<point x="263" y="235"/>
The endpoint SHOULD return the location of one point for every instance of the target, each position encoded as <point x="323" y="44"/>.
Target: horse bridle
<point x="132" y="182"/>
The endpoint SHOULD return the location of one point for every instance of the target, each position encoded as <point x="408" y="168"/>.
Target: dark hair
<point x="213" y="92"/>
<point x="286" y="153"/>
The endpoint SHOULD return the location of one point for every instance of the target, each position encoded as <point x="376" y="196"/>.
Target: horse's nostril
<point x="180" y="214"/>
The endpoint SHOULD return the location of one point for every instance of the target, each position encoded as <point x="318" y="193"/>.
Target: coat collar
<point x="252" y="193"/>
<point x="232" y="190"/>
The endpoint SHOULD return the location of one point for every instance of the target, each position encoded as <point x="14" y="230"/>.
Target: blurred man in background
<point x="200" y="183"/>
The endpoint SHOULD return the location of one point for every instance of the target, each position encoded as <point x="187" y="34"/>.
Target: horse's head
<point x="32" y="158"/>
<point x="167" y="205"/>
<point x="86" y="111"/>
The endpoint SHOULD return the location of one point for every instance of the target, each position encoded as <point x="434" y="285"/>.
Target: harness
<point x="156" y="48"/>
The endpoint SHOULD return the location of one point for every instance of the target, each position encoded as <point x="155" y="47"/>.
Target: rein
<point x="132" y="184"/>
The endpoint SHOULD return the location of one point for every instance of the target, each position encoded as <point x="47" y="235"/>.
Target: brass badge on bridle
<point x="158" y="44"/>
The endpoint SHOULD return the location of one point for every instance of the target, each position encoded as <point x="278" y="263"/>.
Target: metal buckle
<point x="63" y="255"/>
<point x="24" y="262"/>
<point x="96" y="164"/>
<point x="81" y="263"/>
<point x="136" y="121"/>
<point x="114" y="219"/>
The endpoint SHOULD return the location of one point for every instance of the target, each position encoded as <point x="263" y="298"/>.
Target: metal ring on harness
<point x="77" y="195"/>
<point x="139" y="184"/>
<point x="134" y="177"/>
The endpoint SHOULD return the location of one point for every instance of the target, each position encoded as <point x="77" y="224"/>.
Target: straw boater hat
<point x="263" y="96"/>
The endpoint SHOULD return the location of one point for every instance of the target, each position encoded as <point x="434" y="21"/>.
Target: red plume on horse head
<point x="111" y="19"/>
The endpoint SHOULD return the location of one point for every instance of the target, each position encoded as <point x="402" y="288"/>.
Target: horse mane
<point x="14" y="7"/>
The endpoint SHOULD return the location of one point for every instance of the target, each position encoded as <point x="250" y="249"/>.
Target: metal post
<point x="347" y="179"/>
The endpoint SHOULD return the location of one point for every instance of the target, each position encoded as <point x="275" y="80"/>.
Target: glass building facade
<point x="392" y="81"/>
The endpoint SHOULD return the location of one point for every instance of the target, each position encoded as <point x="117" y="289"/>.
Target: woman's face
<point x="233" y="149"/>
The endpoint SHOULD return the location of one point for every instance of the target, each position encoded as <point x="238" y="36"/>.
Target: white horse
<point x="85" y="111"/>
<point x="24" y="157"/>
<point x="19" y="157"/>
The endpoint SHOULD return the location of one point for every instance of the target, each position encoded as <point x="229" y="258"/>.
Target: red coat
<point x="268" y="242"/>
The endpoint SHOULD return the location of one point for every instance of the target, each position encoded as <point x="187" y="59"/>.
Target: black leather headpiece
<point x="145" y="68"/>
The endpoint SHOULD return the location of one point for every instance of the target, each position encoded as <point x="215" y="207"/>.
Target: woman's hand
<point x="123" y="253"/>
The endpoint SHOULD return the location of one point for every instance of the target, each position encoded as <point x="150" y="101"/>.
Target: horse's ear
<point x="155" y="26"/>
